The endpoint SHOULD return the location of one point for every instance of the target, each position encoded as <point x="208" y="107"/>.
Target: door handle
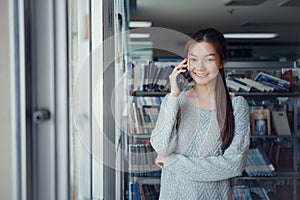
<point x="41" y="115"/>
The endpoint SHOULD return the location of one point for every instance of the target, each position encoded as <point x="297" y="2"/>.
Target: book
<point x="158" y="72"/>
<point x="258" y="193"/>
<point x="151" y="75"/>
<point x="277" y="83"/>
<point x="235" y="86"/>
<point x="253" y="88"/>
<point x="137" y="119"/>
<point x="260" y="87"/>
<point x="280" y="123"/>
<point x="293" y="76"/>
<point x="147" y="161"/>
<point x="144" y="120"/>
<point x="260" y="122"/>
<point x="145" y="77"/>
<point x="137" y="191"/>
<point x="243" y="87"/>
<point x="163" y="79"/>
<point x="288" y="76"/>
<point x="131" y="79"/>
<point x="138" y="75"/>
<point x="152" y="115"/>
<point x="269" y="169"/>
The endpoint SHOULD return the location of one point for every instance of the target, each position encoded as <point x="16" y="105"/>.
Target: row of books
<point x="144" y="113"/>
<point x="142" y="160"/>
<point x="148" y="101"/>
<point x="263" y="82"/>
<point x="272" y="81"/>
<point x="155" y="77"/>
<point x="142" y="119"/>
<point x="279" y="151"/>
<point x="258" y="164"/>
<point x="245" y="192"/>
<point x="138" y="191"/>
<point x="149" y="77"/>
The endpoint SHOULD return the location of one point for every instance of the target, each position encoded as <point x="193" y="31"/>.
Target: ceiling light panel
<point x="139" y="35"/>
<point x="250" y="35"/>
<point x="244" y="2"/>
<point x="140" y="24"/>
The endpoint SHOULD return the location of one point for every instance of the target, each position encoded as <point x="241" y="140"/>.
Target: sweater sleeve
<point x="227" y="165"/>
<point x="164" y="136"/>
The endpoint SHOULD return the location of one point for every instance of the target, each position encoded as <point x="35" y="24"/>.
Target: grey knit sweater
<point x="195" y="167"/>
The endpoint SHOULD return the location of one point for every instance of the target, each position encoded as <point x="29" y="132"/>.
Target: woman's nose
<point x="199" y="66"/>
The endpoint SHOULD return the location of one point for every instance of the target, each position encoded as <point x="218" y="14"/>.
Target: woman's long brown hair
<point x="225" y="115"/>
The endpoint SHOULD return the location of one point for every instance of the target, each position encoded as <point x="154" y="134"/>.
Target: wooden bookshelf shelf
<point x="269" y="94"/>
<point x="148" y="94"/>
<point x="140" y="135"/>
<point x="156" y="174"/>
<point x="245" y="94"/>
<point x="280" y="176"/>
<point x="293" y="136"/>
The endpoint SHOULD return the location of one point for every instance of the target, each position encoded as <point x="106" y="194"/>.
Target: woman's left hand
<point x="159" y="161"/>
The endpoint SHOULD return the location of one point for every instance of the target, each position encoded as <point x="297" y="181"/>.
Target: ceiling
<point x="187" y="16"/>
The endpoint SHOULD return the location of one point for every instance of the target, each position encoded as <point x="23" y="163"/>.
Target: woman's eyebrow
<point x="191" y="54"/>
<point x="210" y="54"/>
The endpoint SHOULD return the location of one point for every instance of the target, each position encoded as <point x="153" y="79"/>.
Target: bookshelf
<point x="143" y="176"/>
<point x="282" y="151"/>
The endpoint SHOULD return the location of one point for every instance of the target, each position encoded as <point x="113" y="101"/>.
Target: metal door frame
<point x="46" y="77"/>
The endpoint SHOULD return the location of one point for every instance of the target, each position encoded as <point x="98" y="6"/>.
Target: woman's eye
<point x="210" y="60"/>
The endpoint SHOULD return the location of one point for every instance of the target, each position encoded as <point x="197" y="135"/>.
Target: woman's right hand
<point x="180" y="68"/>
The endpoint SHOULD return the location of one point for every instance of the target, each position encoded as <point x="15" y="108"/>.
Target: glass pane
<point x="80" y="98"/>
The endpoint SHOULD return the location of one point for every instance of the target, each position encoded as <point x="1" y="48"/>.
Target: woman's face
<point x="203" y="63"/>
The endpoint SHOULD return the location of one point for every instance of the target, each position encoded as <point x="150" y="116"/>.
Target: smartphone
<point x="186" y="74"/>
<point x="183" y="79"/>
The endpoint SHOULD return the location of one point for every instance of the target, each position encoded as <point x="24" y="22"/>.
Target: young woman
<point x="202" y="135"/>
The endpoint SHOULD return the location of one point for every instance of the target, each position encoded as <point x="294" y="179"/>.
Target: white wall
<point x="6" y="132"/>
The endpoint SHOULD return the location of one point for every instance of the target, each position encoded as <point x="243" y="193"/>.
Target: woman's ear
<point x="223" y="64"/>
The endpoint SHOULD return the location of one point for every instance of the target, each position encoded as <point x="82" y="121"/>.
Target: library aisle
<point x="82" y="84"/>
